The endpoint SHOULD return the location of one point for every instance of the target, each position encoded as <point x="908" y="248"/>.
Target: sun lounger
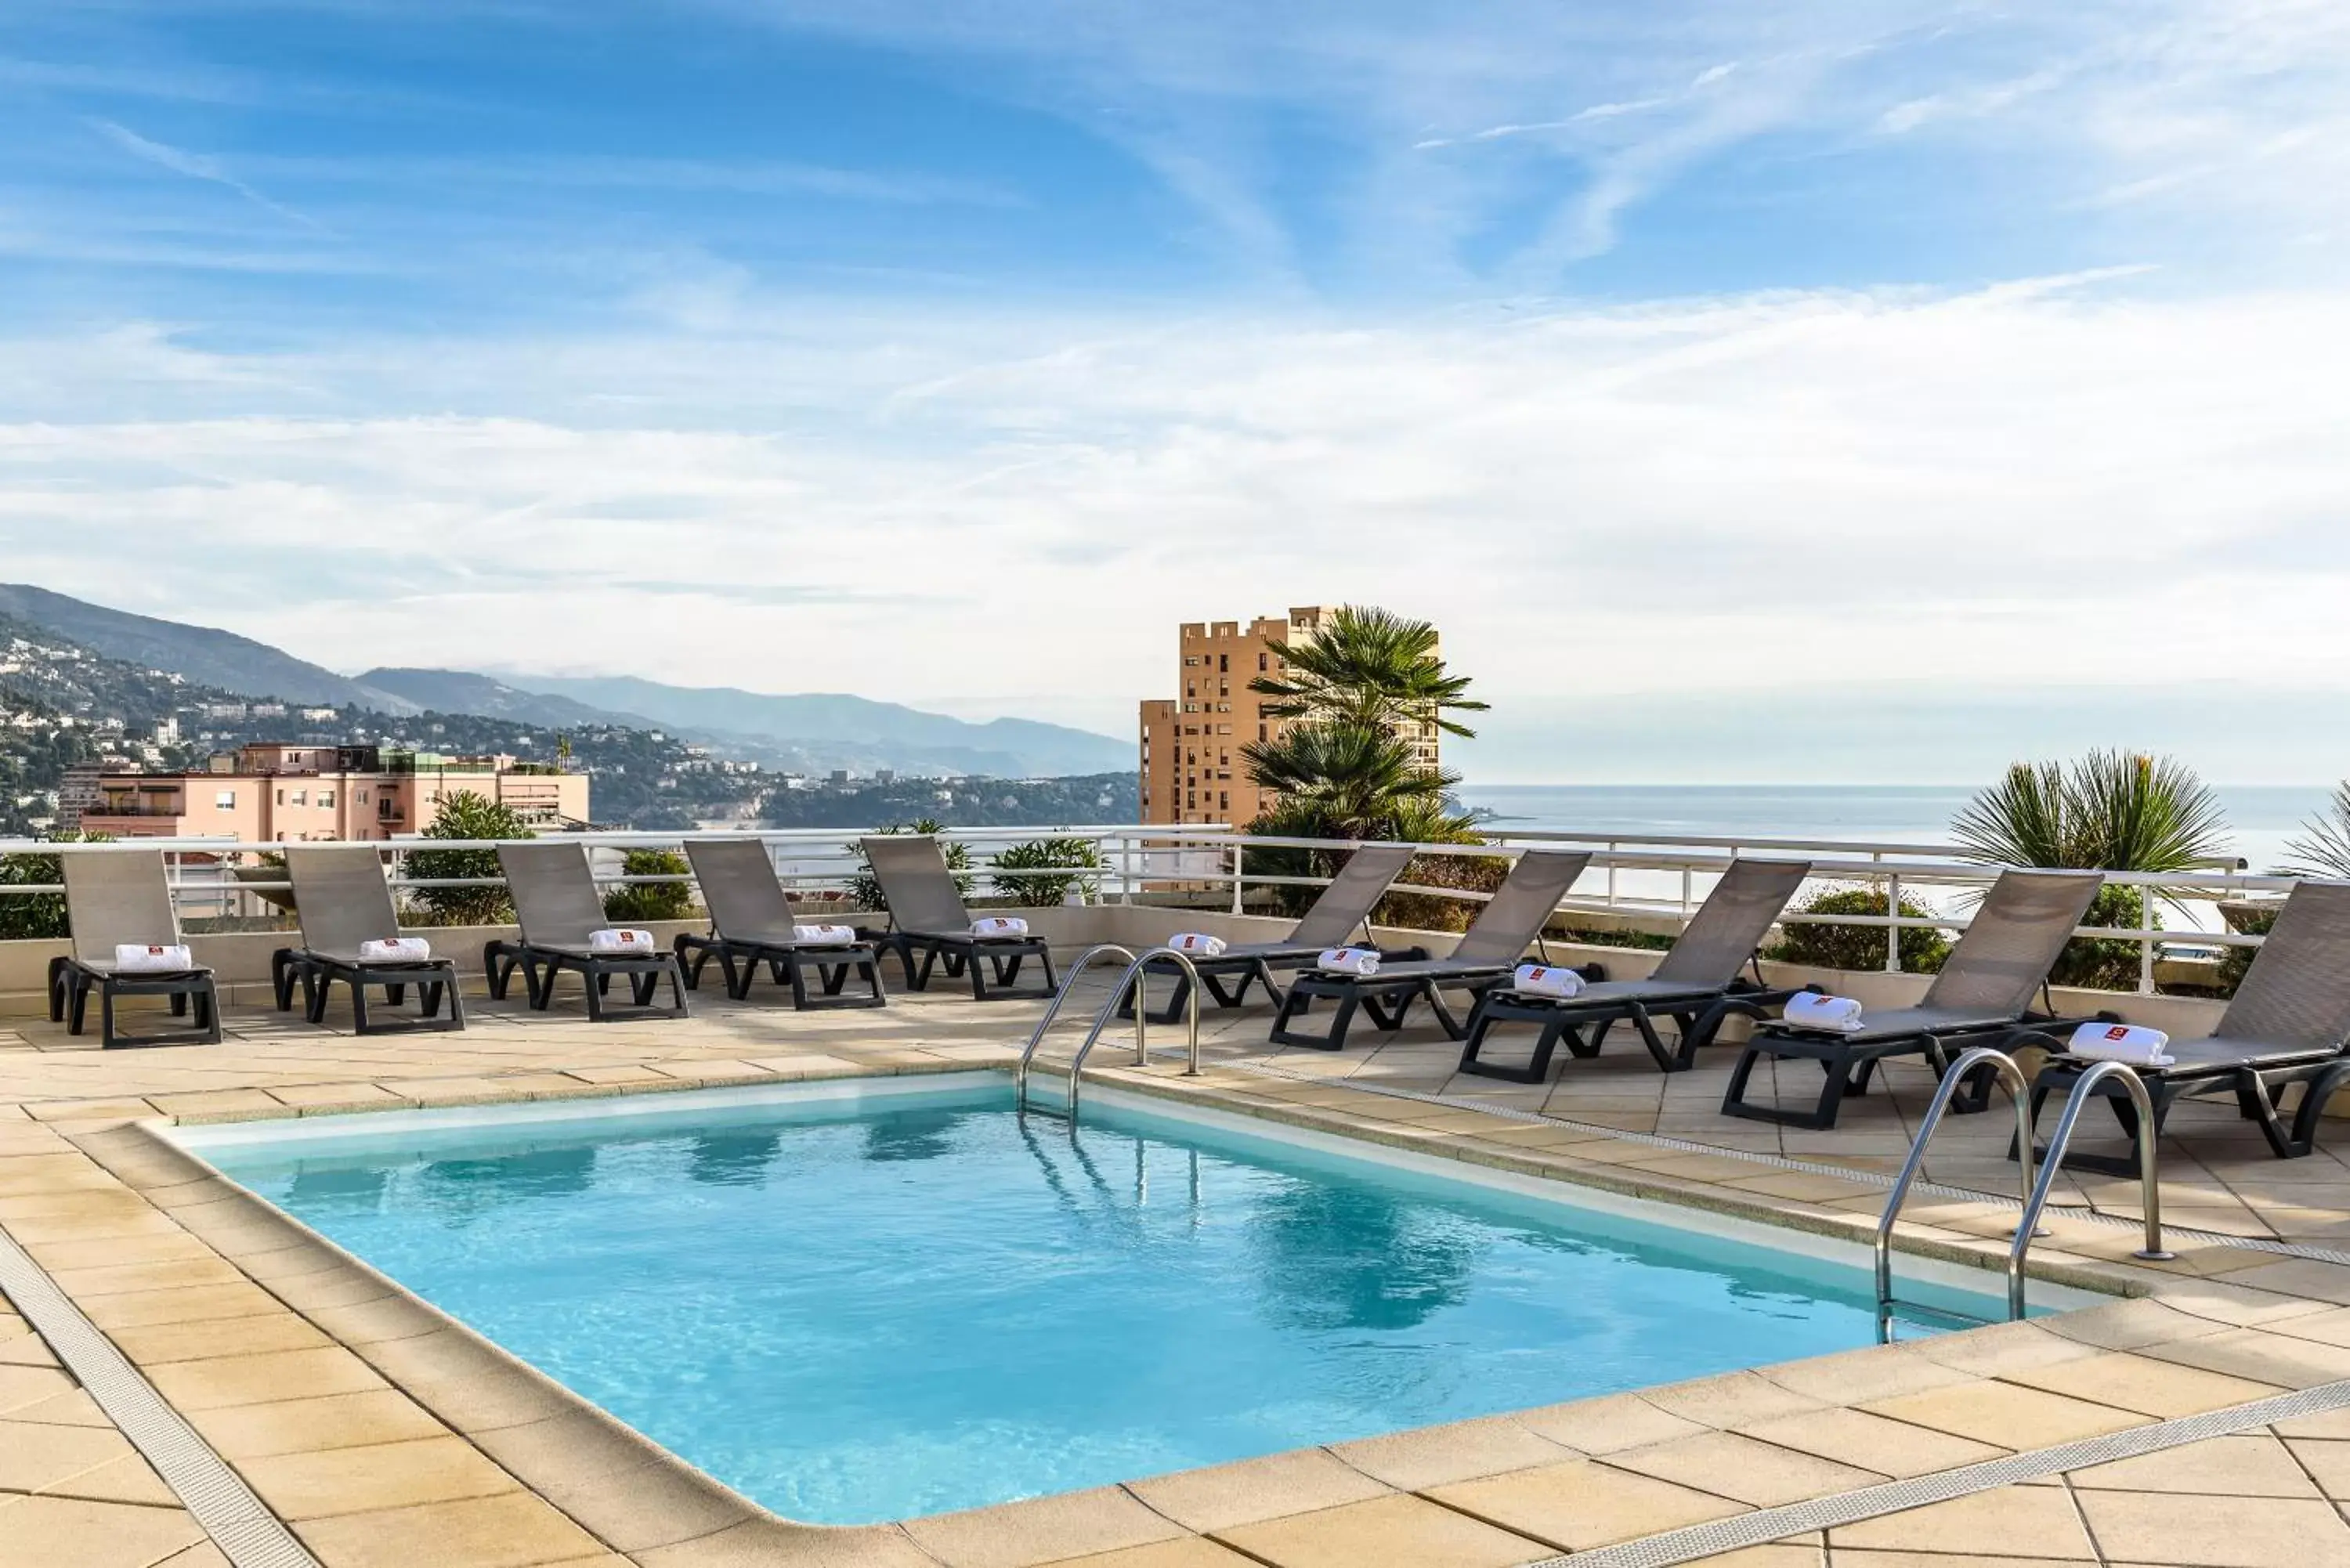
<point x="926" y="916"/>
<point x="750" y="924"/>
<point x="1698" y="985"/>
<point x="122" y="897"/>
<point x="1343" y="907"/>
<point x="557" y="906"/>
<point x="342" y="900"/>
<point x="2286" y="1025"/>
<point x="1487" y="952"/>
<point x="1982" y="997"/>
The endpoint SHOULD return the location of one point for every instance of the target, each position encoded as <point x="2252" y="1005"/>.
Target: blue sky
<point x="1703" y="345"/>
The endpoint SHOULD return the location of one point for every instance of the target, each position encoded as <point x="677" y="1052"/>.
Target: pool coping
<point x="641" y="1499"/>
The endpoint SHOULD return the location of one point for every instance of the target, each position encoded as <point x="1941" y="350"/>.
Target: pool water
<point x="855" y="1309"/>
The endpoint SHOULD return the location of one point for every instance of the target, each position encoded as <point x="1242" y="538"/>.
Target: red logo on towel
<point x="155" y="950"/>
<point x="2117" y="1031"/>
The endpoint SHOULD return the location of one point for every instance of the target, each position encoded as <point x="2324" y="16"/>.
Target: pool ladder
<point x="1136" y="974"/>
<point x="2034" y="1193"/>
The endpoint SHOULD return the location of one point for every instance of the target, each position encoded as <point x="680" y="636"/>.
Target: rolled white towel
<point x="1198" y="944"/>
<point x="1348" y="961"/>
<point x="1546" y="980"/>
<point x="396" y="950"/>
<point x="999" y="926"/>
<point x="824" y="935"/>
<point x="153" y="958"/>
<point x="1836" y="1014"/>
<point x="626" y="939"/>
<point x="2139" y="1047"/>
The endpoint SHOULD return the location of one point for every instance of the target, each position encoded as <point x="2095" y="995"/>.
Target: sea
<point x="2261" y="817"/>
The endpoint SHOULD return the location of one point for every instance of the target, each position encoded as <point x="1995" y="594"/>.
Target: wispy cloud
<point x="195" y="166"/>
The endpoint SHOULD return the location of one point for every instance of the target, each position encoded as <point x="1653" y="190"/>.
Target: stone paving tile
<point x="2011" y="1522"/>
<point x="1857" y="1438"/>
<point x="2253" y="1464"/>
<point x="1582" y="1503"/>
<point x="1222" y="1496"/>
<point x="1400" y="1529"/>
<point x="514" y="1530"/>
<point x="1460" y="1450"/>
<point x="2149" y="1387"/>
<point x="1745" y="1470"/>
<point x="52" y="1532"/>
<point x="1072" y="1524"/>
<point x="2006" y="1414"/>
<point x="2204" y="1532"/>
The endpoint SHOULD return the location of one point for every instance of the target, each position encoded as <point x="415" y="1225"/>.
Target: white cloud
<point x="194" y="165"/>
<point x="1989" y="491"/>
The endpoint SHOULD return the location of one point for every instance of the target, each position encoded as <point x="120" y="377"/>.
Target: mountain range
<point x="810" y="732"/>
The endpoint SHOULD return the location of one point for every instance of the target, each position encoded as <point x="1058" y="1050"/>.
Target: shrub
<point x="651" y="900"/>
<point x="1923" y="947"/>
<point x="1431" y="911"/>
<point x="865" y="888"/>
<point x="465" y="814"/>
<point x="37" y="916"/>
<point x="1039" y="853"/>
<point x="2098" y="964"/>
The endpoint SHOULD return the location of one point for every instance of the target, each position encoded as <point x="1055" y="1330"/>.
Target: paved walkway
<point x="384" y="1436"/>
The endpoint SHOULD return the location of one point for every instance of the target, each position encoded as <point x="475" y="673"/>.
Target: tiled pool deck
<point x="383" y="1435"/>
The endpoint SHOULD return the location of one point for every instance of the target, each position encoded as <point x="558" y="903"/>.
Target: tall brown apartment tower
<point x="1192" y="767"/>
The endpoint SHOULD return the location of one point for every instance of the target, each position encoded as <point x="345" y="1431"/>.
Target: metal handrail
<point x="2150" y="1178"/>
<point x="1069" y="983"/>
<point x="1138" y="975"/>
<point x="2012" y="1075"/>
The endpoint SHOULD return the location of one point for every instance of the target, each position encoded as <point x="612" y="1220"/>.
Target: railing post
<point x="1685" y="892"/>
<point x="1893" y="927"/>
<point x="1611" y="873"/>
<point x="1126" y="868"/>
<point x="2146" y="941"/>
<point x="1237" y="853"/>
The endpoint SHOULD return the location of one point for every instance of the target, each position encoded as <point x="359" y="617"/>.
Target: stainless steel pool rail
<point x="2001" y="1065"/>
<point x="1069" y="978"/>
<point x="2149" y="1176"/>
<point x="2035" y="1192"/>
<point x="1137" y="975"/>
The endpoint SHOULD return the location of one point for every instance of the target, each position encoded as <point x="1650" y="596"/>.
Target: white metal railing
<point x="1195" y="863"/>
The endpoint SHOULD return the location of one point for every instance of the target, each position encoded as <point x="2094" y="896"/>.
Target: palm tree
<point x="1370" y="668"/>
<point x="1352" y="779"/>
<point x="2109" y="811"/>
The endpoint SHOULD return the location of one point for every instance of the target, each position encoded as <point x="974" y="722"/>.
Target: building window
<point x="1260" y="732"/>
<point x="281" y="800"/>
<point x="226" y="800"/>
<point x="1259" y="664"/>
<point x="301" y="797"/>
<point x="1223" y="663"/>
<point x="1223" y="800"/>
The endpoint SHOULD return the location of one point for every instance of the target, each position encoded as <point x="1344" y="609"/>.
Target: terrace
<point x="191" y="1377"/>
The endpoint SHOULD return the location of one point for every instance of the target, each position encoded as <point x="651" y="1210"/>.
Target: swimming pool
<point x="855" y="1302"/>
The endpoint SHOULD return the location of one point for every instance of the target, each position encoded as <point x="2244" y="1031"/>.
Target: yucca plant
<point x="2108" y="810"/>
<point x="2324" y="847"/>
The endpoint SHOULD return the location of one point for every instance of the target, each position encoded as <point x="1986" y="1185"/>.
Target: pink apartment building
<point x="301" y="794"/>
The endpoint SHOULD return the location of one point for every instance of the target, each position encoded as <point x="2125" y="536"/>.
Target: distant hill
<point x="806" y="733"/>
<point x="201" y="654"/>
<point x="460" y="692"/>
<point x="884" y="734"/>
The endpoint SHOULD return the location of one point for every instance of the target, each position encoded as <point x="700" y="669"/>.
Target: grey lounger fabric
<point x="2287" y="1023"/>
<point x="1983" y="995"/>
<point x="117" y="897"/>
<point x="342" y="900"/>
<point x="559" y="910"/>
<point x="752" y="923"/>
<point x="1511" y="922"/>
<point x="1698" y="985"/>
<point x="927" y="917"/>
<point x="1343" y="908"/>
